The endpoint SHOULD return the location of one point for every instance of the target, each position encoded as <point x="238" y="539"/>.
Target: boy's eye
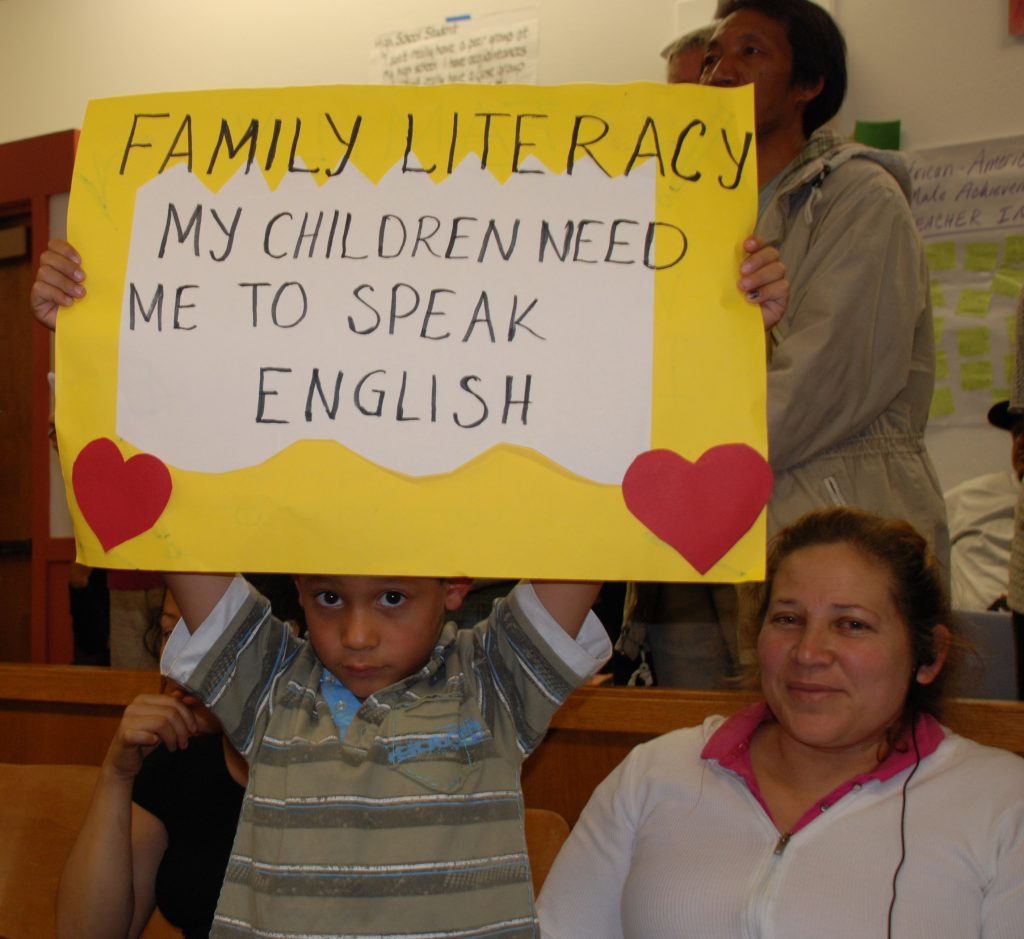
<point x="392" y="598"/>
<point x="328" y="598"/>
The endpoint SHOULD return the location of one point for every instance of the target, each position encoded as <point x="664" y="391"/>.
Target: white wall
<point x="946" y="68"/>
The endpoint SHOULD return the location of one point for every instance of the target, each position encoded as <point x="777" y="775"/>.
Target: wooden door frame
<point x="31" y="172"/>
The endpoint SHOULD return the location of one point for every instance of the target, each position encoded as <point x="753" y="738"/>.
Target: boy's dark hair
<point x="819" y="51"/>
<point x="915" y="579"/>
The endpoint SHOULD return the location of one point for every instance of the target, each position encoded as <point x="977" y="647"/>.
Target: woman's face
<point x="834" y="651"/>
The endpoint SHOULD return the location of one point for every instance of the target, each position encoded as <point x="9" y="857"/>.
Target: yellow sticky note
<point x="975" y="376"/>
<point x="941" y="255"/>
<point x="981" y="256"/>
<point x="941" y="365"/>
<point x="942" y="402"/>
<point x="1008" y="282"/>
<point x="938" y="327"/>
<point x="1014" y="248"/>
<point x="938" y="297"/>
<point x="480" y="330"/>
<point x="973" y="302"/>
<point x="972" y="342"/>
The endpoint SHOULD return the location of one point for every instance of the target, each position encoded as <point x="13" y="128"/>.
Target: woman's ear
<point x="926" y="672"/>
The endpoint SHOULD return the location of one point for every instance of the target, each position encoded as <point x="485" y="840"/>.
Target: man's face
<point x="751" y="48"/>
<point x="685" y="66"/>
<point x="371" y="632"/>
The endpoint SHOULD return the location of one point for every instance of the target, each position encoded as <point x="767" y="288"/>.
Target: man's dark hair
<point x="818" y="48"/>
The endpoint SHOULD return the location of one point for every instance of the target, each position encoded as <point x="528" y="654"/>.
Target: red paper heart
<point x="119" y="499"/>
<point x="701" y="509"/>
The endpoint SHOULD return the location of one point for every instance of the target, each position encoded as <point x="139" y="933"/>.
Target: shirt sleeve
<point x="857" y="298"/>
<point x="586" y="653"/>
<point x="232" y="662"/>
<point x="522" y="666"/>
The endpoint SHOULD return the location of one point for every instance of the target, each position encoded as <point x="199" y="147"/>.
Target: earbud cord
<point x="903" y="822"/>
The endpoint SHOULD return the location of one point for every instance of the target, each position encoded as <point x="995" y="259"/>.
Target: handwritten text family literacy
<point x="503" y="140"/>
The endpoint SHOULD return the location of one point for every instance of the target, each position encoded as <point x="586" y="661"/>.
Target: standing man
<point x="851" y="364"/>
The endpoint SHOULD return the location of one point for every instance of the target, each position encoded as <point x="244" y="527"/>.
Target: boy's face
<point x="370" y="632"/>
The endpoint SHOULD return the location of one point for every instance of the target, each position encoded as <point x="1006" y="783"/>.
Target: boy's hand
<point x="763" y="280"/>
<point x="151" y="719"/>
<point x="58" y="282"/>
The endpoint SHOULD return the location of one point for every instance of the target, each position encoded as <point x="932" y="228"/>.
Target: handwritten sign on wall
<point x="442" y="330"/>
<point x="968" y="203"/>
<point x="496" y="49"/>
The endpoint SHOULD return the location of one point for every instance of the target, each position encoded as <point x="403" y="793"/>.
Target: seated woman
<point x="838" y="806"/>
<point x="159" y="830"/>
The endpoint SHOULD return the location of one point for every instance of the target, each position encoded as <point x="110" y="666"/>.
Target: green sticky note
<point x="939" y="326"/>
<point x="973" y="302"/>
<point x="976" y="376"/>
<point x="941" y="255"/>
<point x="882" y="135"/>
<point x="1014" y="250"/>
<point x="972" y="342"/>
<point x="941" y="366"/>
<point x="942" y="402"/>
<point x="1008" y="282"/>
<point x="938" y="297"/>
<point x="982" y="256"/>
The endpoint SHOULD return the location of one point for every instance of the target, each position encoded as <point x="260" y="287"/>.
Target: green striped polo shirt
<point x="412" y="824"/>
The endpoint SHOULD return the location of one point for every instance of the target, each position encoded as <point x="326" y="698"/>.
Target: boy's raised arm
<point x="197" y="595"/>
<point x="568" y="602"/>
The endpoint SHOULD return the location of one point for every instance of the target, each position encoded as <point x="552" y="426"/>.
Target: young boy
<point x="385" y="753"/>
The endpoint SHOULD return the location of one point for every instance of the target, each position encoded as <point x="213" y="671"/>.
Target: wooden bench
<point x="64" y="713"/>
<point x="67" y="714"/>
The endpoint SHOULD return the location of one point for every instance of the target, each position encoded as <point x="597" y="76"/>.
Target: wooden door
<point x="35" y="175"/>
<point x="15" y="437"/>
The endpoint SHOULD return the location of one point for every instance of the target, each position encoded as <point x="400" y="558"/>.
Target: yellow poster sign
<point x="475" y="330"/>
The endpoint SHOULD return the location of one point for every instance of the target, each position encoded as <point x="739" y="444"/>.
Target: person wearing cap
<point x="980" y="512"/>
<point x="684" y="57"/>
